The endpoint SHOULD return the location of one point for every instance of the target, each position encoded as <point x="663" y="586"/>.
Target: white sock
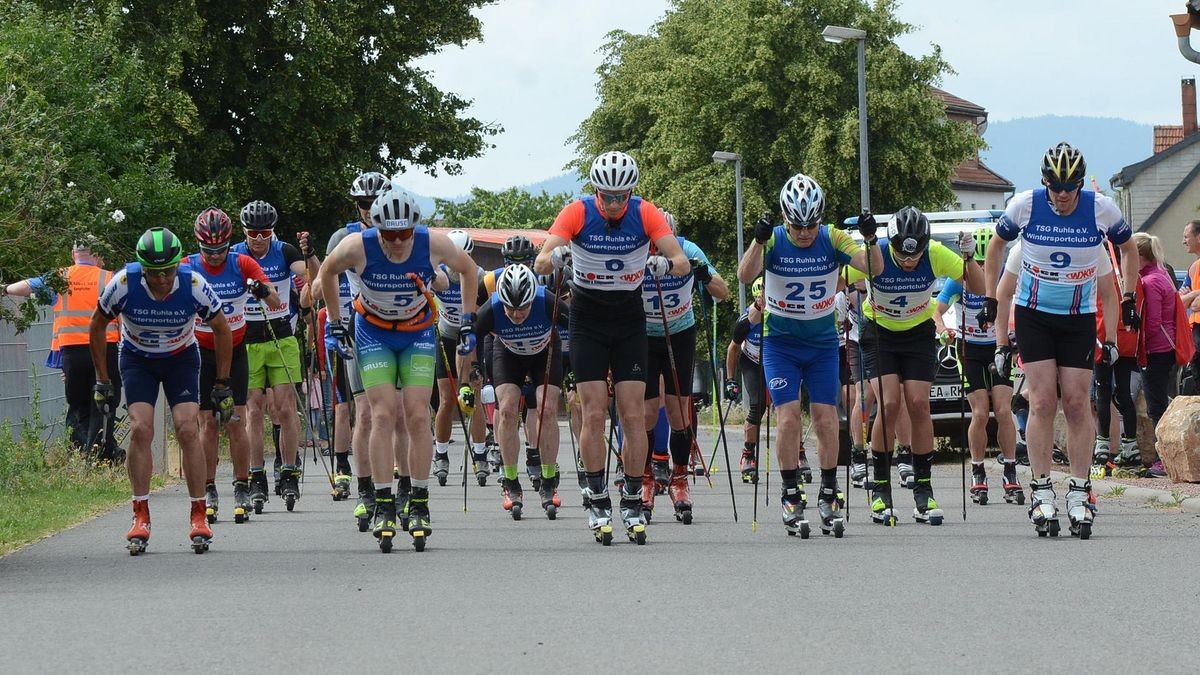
<point x="440" y="447"/>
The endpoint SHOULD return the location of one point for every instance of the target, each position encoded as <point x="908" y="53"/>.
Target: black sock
<point x="829" y="477"/>
<point x="681" y="446"/>
<point x="633" y="487"/>
<point x="882" y="463"/>
<point x="649" y="445"/>
<point x="751" y="447"/>
<point x="595" y="481"/>
<point x="365" y="483"/>
<point x="789" y="478"/>
<point x="383" y="493"/>
<point x="923" y="465"/>
<point x="342" y="460"/>
<point x="405" y="483"/>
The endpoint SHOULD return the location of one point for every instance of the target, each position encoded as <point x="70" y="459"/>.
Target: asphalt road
<point x="306" y="592"/>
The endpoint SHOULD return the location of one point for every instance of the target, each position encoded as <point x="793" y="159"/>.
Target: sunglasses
<point x="160" y="272"/>
<point x="364" y="204"/>
<point x="613" y="197"/>
<point x="259" y="234"/>
<point x="395" y="235"/>
<point x="214" y="250"/>
<point x="804" y="226"/>
<point x="1064" y="187"/>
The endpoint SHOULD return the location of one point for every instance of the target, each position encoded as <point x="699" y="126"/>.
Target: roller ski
<point x="534" y="471"/>
<point x="631" y="516"/>
<point x="277" y="469"/>
<point x="418" y="518"/>
<point x="1043" y="513"/>
<point x="139" y="534"/>
<point x="793" y="501"/>
<point x="1022" y="452"/>
<point x="1013" y="494"/>
<point x="289" y="487"/>
<point x="258" y="491"/>
<point x="1081" y="508"/>
<point x="482" y="468"/>
<point x="805" y="470"/>
<point x="619" y="481"/>
<point x="513" y="497"/>
<point x="548" y="491"/>
<point x="979" y="488"/>
<point x="858" y="467"/>
<point x="341" y="487"/>
<point x="493" y="455"/>
<point x="200" y="534"/>
<point x="365" y="507"/>
<point x="210" y="502"/>
<point x="661" y="473"/>
<point x="904" y="459"/>
<point x="599" y="508"/>
<point x="680" y="498"/>
<point x="749" y="467"/>
<point x="1058" y="456"/>
<point x="441" y="468"/>
<point x="926" y="509"/>
<point x="241" y="501"/>
<point x="1129" y="457"/>
<point x="385" y="522"/>
<point x="403" y="507"/>
<point x="882" y="510"/>
<point x="830" y="503"/>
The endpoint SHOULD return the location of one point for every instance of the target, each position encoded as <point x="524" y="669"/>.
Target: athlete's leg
<point x="1081" y="426"/>
<point x="1041" y="388"/>
<point x="549" y="443"/>
<point x="139" y="464"/>
<point x="444" y="420"/>
<point x="593" y="401"/>
<point x="256" y="411"/>
<point x="1006" y="430"/>
<point x="401" y="440"/>
<point x="882" y="438"/>
<point x="283" y="413"/>
<point x="183" y="416"/>
<point x="630" y="395"/>
<point x="508" y="406"/>
<point x="977" y="430"/>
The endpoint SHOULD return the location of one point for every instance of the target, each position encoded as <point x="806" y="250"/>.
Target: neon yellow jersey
<point x="899" y="300"/>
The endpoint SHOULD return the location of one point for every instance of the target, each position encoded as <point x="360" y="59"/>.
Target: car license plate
<point x="943" y="392"/>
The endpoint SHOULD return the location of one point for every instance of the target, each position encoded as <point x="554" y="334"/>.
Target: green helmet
<point x="982" y="237"/>
<point x="756" y="289"/>
<point x="159" y="247"/>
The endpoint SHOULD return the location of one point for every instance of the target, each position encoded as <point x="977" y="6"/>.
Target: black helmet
<point x="259" y="215"/>
<point x="1063" y="164"/>
<point x="159" y="247"/>
<point x="518" y="249"/>
<point x="908" y="231"/>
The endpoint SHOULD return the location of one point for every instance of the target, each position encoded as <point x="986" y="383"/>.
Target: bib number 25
<point x="815" y="290"/>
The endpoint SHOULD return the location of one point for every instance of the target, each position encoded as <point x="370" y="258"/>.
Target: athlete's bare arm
<point x="348" y="253"/>
<point x="542" y="265"/>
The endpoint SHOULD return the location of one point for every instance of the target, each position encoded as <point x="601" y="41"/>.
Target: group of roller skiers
<point x="605" y="310"/>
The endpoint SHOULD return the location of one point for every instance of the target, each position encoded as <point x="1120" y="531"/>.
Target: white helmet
<point x="802" y="200"/>
<point x="614" y="172"/>
<point x="395" y="209"/>
<point x="369" y="184"/>
<point x="462" y="240"/>
<point x="517" y="286"/>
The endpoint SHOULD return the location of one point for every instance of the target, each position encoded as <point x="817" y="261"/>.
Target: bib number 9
<point x="1060" y="259"/>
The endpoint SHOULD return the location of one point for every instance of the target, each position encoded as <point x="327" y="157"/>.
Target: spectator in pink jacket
<point x="1158" y="329"/>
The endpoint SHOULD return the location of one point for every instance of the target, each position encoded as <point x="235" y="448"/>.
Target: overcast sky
<point x="534" y="71"/>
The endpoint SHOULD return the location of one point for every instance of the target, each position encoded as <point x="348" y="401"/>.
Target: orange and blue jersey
<point x="609" y="256"/>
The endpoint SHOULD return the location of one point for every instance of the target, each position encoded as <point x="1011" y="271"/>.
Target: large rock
<point x="1179" y="439"/>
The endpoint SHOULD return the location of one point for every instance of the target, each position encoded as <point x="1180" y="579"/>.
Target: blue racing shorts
<point x="788" y="363"/>
<point x="179" y="375"/>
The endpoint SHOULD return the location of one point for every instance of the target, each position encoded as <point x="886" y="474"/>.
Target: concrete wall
<point x="1169" y="226"/>
<point x="1154" y="184"/>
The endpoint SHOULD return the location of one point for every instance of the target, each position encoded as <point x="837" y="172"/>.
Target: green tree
<point x="755" y="77"/>
<point x="85" y="138"/>
<point x="513" y="208"/>
<point x="295" y="98"/>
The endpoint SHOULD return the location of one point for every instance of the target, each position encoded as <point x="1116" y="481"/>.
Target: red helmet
<point x="213" y="228"/>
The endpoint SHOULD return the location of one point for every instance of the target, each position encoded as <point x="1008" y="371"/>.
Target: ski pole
<point x="721" y="438"/>
<point x="542" y="400"/>
<point x="962" y="392"/>
<point x="879" y="394"/>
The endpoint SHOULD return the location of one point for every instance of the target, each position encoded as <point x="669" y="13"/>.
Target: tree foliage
<point x="294" y="98"/>
<point x="756" y="77"/>
<point x="85" y="134"/>
<point x="513" y="208"/>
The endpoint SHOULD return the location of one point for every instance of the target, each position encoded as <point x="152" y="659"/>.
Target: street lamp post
<point x="837" y="35"/>
<point x="722" y="157"/>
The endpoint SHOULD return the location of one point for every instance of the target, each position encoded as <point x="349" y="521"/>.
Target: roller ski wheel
<point x="258" y="491"/>
<point x="200" y="534"/>
<point x="211" y="505"/>
<point x="636" y="533"/>
<point x="385" y="523"/>
<point x="749" y="468"/>
<point x="926" y="509"/>
<point x="200" y="544"/>
<point x="908" y="479"/>
<point x="793" y="501"/>
<point x="1043" y="512"/>
<point x="418" y="518"/>
<point x="341" y="488"/>
<point x="882" y="509"/>
<point x="549" y="496"/>
<point x="599" y="508"/>
<point x="441" y="468"/>
<point x="660" y="470"/>
<point x="681" y="498"/>
<point x="482" y="469"/>
<point x="241" y="502"/>
<point x="403" y="509"/>
<point x="136" y="546"/>
<point x="979" y="489"/>
<point x="1014" y="495"/>
<point x="1081" y="508"/>
<point x="604" y="535"/>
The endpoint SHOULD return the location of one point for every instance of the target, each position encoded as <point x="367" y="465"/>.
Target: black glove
<point x="1002" y="362"/>
<point x="466" y="335"/>
<point x="1129" y="315"/>
<point x="105" y="398"/>
<point x="987" y="315"/>
<point x="1109" y="353"/>
<point x="701" y="271"/>
<point x="763" y="229"/>
<point x="867" y="227"/>
<point x="258" y="289"/>
<point x="306" y="247"/>
<point x="339" y="339"/>
<point x="733" y="392"/>
<point x="222" y="399"/>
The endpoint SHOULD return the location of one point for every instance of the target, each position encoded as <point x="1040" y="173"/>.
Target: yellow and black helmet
<point x="1063" y="164"/>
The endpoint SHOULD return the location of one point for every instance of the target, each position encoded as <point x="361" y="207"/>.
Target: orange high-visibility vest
<point x="73" y="310"/>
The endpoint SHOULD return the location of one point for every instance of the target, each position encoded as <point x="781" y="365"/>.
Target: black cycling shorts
<point x="447" y="350"/>
<point x="683" y="346"/>
<point x="910" y="354"/>
<point x="844" y="365"/>
<point x="753" y="388"/>
<point x="510" y="368"/>
<point x="239" y="376"/>
<point x="341" y="378"/>
<point x="977" y="368"/>
<point x="854" y="361"/>
<point x="608" y="337"/>
<point x="1067" y="339"/>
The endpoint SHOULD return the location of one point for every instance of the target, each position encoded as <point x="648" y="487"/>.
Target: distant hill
<point x="567" y="182"/>
<point x="1108" y="145"/>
